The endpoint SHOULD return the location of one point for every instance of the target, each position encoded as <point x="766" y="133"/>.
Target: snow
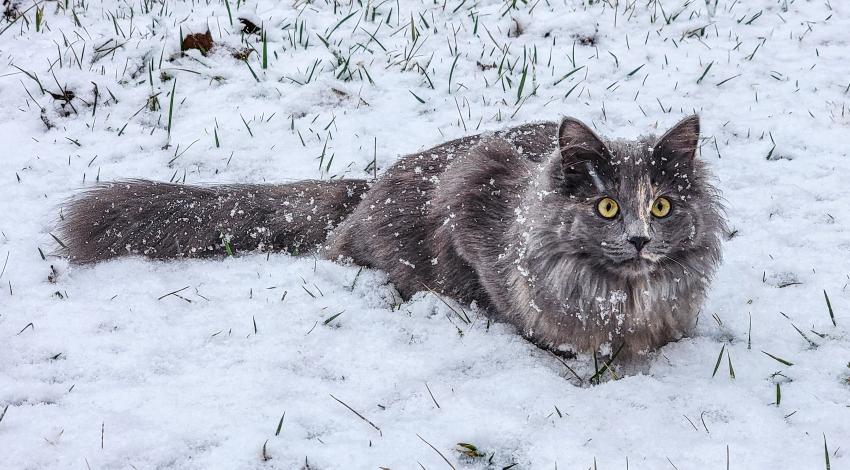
<point x="103" y="369"/>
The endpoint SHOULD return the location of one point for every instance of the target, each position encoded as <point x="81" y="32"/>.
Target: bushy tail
<point x="164" y="220"/>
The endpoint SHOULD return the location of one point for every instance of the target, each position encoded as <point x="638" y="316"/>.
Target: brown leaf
<point x="200" y="41"/>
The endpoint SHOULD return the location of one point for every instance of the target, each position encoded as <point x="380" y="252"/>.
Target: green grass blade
<point x="171" y="107"/>
<point x="778" y="359"/>
<point x="719" y="358"/>
<point x="829" y="306"/>
<point x="826" y="453"/>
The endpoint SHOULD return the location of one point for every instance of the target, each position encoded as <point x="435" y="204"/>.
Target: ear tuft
<point x="681" y="141"/>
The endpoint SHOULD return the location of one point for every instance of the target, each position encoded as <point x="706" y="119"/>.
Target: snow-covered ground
<point x="254" y="361"/>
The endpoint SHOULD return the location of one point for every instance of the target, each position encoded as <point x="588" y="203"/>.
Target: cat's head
<point x="634" y="206"/>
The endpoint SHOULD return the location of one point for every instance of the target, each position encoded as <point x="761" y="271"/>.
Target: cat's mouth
<point x="641" y="263"/>
<point x="651" y="257"/>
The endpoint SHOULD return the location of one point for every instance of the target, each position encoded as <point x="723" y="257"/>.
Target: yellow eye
<point x="608" y="207"/>
<point x="661" y="207"/>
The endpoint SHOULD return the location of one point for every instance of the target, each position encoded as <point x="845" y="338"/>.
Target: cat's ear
<point x="680" y="142"/>
<point x="578" y="144"/>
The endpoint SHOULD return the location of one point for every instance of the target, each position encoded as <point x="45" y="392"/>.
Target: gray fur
<point x="164" y="220"/>
<point x="507" y="220"/>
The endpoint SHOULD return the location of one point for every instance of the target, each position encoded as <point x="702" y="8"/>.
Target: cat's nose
<point x="638" y="242"/>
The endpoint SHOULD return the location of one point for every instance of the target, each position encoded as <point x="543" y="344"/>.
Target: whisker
<point x="685" y="267"/>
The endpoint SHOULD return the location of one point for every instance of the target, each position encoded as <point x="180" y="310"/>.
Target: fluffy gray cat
<point x="585" y="245"/>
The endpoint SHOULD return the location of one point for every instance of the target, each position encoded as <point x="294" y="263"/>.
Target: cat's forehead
<point x="630" y="154"/>
<point x="635" y="171"/>
<point x="630" y="165"/>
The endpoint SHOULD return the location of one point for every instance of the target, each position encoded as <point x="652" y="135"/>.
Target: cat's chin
<point x="637" y="266"/>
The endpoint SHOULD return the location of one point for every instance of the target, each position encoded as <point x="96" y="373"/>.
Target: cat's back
<point x="534" y="141"/>
<point x="391" y="227"/>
